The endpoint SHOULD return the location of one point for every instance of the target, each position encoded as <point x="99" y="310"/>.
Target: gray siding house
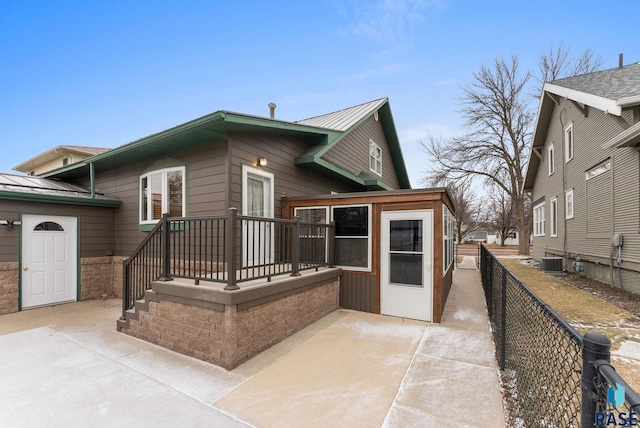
<point x="584" y="175"/>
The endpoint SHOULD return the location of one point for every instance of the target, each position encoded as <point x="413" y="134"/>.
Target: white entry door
<point x="406" y="268"/>
<point x="49" y="260"/>
<point x="257" y="201"/>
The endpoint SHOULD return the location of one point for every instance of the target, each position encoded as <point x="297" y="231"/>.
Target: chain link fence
<point x="552" y="375"/>
<point x="539" y="353"/>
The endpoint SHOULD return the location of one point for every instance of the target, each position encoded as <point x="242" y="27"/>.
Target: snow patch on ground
<point x="628" y="349"/>
<point x="394" y="330"/>
<point x="467" y="314"/>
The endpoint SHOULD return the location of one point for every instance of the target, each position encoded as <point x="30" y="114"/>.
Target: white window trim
<point x="372" y="159"/>
<point x="164" y="197"/>
<point x="569" y="148"/>
<point x="448" y="235"/>
<point x="369" y="237"/>
<point x="538" y="220"/>
<point x="551" y="158"/>
<point x="569" y="214"/>
<point x="553" y="216"/>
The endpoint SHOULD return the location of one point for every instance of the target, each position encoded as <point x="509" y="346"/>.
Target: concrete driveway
<point x="67" y="366"/>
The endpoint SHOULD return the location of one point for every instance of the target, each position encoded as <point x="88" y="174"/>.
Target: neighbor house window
<point x="352" y="236"/>
<point x="568" y="204"/>
<point x="568" y="143"/>
<point x="162" y="191"/>
<point x="601" y="168"/>
<point x="375" y="158"/>
<point x="538" y="220"/>
<point x="551" y="158"/>
<point x="553" y="213"/>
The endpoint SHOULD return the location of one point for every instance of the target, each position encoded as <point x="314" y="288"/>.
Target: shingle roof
<point x="614" y="84"/>
<point x="344" y="119"/>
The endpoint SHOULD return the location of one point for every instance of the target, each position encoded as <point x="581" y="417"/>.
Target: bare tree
<point x="465" y="200"/>
<point x="558" y="63"/>
<point x="495" y="148"/>
<point x="499" y="213"/>
<point x="500" y="120"/>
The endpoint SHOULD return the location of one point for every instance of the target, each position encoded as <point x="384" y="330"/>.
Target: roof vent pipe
<point x="620" y="62"/>
<point x="272" y="110"/>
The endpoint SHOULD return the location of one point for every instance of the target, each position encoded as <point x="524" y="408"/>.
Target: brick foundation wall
<point x="9" y="275"/>
<point x="232" y="337"/>
<point x="99" y="275"/>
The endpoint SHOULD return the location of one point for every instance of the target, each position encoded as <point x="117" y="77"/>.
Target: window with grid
<point x="375" y="158"/>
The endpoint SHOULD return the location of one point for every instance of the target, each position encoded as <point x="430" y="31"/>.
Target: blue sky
<point x="107" y="73"/>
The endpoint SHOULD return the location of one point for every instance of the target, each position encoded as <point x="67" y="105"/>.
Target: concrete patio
<point x="67" y="366"/>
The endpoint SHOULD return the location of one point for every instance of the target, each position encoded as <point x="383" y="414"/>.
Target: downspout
<point x="92" y="175"/>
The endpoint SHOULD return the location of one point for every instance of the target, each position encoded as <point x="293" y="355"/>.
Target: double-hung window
<point x="568" y="143"/>
<point x="553" y="213"/>
<point x="538" y="220"/>
<point x="375" y="158"/>
<point x="352" y="236"/>
<point x="162" y="191"/>
<point x="568" y="204"/>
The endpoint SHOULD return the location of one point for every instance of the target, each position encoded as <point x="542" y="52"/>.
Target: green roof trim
<point x="54" y="199"/>
<point x="215" y="126"/>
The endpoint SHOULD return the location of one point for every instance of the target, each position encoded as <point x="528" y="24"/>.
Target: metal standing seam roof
<point x="614" y="84"/>
<point x="27" y="186"/>
<point x="344" y="119"/>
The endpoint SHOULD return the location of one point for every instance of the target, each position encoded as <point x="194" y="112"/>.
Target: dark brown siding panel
<point x="281" y="152"/>
<point x="206" y="191"/>
<point x="97" y="227"/>
<point x="357" y="291"/>
<point x="352" y="152"/>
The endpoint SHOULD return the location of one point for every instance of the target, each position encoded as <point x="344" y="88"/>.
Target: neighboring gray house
<point x="584" y="175"/>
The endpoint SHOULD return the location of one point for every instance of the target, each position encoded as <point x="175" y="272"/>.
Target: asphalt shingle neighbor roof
<point x="614" y="84"/>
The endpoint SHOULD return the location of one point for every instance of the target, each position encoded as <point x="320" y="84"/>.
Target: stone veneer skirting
<point x="227" y="328"/>
<point x="98" y="276"/>
<point x="9" y="275"/>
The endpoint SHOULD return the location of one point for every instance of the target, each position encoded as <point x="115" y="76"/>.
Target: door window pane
<point x="255" y="203"/>
<point x="406" y="235"/>
<point x="405" y="269"/>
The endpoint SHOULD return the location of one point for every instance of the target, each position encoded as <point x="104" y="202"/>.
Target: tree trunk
<point x="523" y="241"/>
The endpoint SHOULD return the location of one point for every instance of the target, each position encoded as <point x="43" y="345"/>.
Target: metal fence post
<point x="331" y="235"/>
<point x="295" y="259"/>
<point x="230" y="248"/>
<point x="595" y="346"/>
<point x="503" y="319"/>
<point x="166" y="249"/>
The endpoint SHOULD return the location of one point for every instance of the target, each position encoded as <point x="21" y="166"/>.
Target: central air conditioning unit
<point x="552" y="264"/>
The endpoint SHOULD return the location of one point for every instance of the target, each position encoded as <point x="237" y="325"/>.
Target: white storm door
<point x="49" y="260"/>
<point x="406" y="268"/>
<point x="257" y="201"/>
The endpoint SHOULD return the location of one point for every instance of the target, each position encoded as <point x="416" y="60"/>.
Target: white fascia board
<point x="605" y="104"/>
<point x="628" y="137"/>
<point x="629" y="101"/>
